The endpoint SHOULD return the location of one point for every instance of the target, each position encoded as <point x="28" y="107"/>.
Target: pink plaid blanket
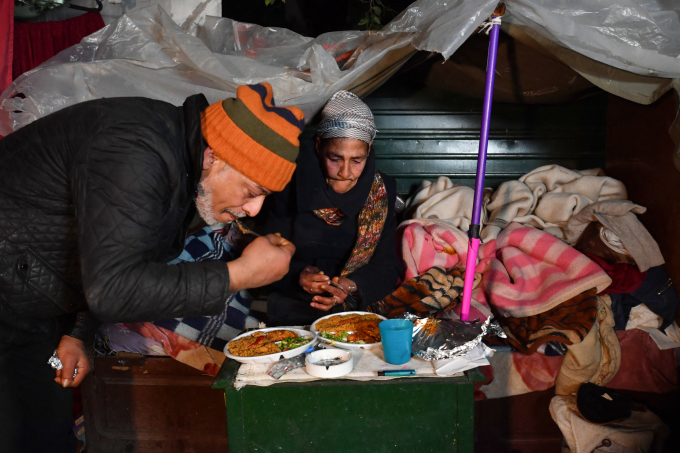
<point x="525" y="271"/>
<point x="426" y="243"/>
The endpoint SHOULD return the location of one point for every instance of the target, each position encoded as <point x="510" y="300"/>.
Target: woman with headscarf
<point x="338" y="210"/>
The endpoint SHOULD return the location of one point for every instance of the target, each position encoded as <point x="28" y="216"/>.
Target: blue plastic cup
<point x="397" y="337"/>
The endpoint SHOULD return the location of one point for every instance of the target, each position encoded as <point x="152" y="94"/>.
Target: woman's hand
<point x="72" y="354"/>
<point x="347" y="285"/>
<point x="337" y="296"/>
<point x="312" y="280"/>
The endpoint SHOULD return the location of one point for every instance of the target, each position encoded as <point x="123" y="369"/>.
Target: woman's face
<point x="343" y="160"/>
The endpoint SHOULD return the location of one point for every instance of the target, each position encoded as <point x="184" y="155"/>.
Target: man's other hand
<point x="72" y="354"/>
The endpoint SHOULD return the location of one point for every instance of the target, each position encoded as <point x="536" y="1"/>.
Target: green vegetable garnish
<point x="342" y="336"/>
<point x="292" y="343"/>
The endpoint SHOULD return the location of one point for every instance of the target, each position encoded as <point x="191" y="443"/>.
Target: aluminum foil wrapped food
<point x="284" y="366"/>
<point x="56" y="364"/>
<point x="440" y="338"/>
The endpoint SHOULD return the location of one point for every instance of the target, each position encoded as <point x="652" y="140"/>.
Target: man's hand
<point x="72" y="354"/>
<point x="337" y="296"/>
<point x="312" y="279"/>
<point x="265" y="260"/>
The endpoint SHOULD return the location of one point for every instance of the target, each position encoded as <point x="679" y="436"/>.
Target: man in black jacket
<point x="94" y="201"/>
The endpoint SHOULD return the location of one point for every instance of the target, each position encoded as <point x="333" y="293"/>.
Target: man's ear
<point x="317" y="143"/>
<point x="208" y="158"/>
<point x="368" y="151"/>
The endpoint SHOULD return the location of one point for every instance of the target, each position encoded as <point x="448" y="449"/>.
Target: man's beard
<point x="204" y="205"/>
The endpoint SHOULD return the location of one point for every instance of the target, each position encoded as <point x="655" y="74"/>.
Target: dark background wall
<point x="639" y="153"/>
<point x="307" y="17"/>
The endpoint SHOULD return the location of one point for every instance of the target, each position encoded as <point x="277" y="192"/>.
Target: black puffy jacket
<point x="94" y="200"/>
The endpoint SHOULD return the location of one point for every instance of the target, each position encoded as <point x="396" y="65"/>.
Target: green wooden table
<point x="335" y="415"/>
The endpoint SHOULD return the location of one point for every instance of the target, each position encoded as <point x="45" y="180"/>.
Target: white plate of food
<point x="350" y="329"/>
<point x="270" y="345"/>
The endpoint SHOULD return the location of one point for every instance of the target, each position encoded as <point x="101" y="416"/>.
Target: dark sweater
<point x="325" y="246"/>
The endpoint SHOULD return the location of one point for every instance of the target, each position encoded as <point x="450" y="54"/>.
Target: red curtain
<point x="6" y="34"/>
<point x="37" y="42"/>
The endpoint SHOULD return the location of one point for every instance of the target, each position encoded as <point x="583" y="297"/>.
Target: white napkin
<point x="476" y="357"/>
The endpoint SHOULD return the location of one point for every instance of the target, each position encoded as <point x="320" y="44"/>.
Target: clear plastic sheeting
<point x="441" y="25"/>
<point x="146" y="54"/>
<point x="641" y="36"/>
<point x="188" y="14"/>
<point x="634" y="87"/>
<point x="276" y="46"/>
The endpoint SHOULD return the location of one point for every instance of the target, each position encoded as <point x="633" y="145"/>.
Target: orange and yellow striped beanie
<point x="254" y="136"/>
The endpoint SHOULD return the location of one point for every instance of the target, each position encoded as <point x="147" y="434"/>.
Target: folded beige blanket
<point x="642" y="432"/>
<point x="563" y="202"/>
<point x="596" y="359"/>
<point x="618" y="217"/>
<point x="548" y="197"/>
<point x="560" y="201"/>
<point x="444" y="200"/>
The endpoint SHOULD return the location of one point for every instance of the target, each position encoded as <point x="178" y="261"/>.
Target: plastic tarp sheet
<point x="640" y="36"/>
<point x="145" y="53"/>
<point x="628" y="85"/>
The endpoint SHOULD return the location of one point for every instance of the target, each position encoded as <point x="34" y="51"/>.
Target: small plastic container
<point x="397" y="338"/>
<point x="318" y="363"/>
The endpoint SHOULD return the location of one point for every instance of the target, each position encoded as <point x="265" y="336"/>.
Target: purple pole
<point x="473" y="233"/>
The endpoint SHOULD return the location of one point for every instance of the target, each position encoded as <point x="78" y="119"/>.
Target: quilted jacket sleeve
<point x="123" y="185"/>
<point x="85" y="327"/>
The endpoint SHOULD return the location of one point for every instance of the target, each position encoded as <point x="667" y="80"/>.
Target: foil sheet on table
<point x="439" y="338"/>
<point x="283" y="366"/>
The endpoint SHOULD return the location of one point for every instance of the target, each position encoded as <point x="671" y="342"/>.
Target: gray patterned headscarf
<point x="346" y="116"/>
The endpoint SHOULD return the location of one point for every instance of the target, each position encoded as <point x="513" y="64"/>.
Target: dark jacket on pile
<point x="326" y="246"/>
<point x="94" y="200"/>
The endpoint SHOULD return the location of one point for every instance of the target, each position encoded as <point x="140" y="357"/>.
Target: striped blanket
<point x="527" y="271"/>
<point x="435" y="291"/>
<point x="428" y="243"/>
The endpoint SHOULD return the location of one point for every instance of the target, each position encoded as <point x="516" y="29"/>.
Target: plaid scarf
<point x="371" y="222"/>
<point x="214" y="331"/>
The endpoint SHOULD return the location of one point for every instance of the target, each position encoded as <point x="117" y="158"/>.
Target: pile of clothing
<point x="599" y="419"/>
<point x="567" y="269"/>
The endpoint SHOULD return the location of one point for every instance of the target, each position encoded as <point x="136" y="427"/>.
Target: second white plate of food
<point x="350" y="329"/>
<point x="270" y="345"/>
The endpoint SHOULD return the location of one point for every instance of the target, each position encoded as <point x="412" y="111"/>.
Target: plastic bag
<point x="641" y="36"/>
<point x="144" y="53"/>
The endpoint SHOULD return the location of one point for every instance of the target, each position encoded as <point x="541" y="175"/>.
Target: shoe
<point x="600" y="405"/>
